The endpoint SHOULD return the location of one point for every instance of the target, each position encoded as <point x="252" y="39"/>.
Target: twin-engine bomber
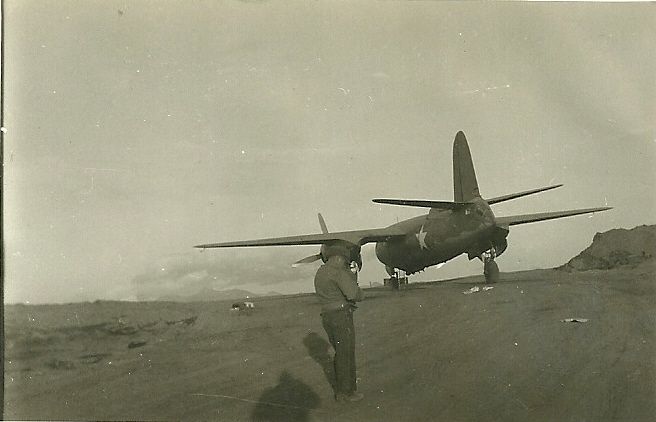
<point x="449" y="229"/>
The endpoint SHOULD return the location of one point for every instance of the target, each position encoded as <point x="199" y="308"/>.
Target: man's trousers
<point x="341" y="333"/>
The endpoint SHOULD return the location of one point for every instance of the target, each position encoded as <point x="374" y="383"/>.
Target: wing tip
<point x="598" y="209"/>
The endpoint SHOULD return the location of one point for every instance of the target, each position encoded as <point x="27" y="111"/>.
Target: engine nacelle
<point x="500" y="245"/>
<point x="343" y="248"/>
<point x="497" y="241"/>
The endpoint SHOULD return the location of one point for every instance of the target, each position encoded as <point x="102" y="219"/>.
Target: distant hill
<point x="211" y="295"/>
<point x="616" y="248"/>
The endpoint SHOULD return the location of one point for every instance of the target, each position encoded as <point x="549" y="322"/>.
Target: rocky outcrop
<point x="616" y="248"/>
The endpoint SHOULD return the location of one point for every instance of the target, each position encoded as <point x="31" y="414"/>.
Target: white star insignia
<point x="421" y="238"/>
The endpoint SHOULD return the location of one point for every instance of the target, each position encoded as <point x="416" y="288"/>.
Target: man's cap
<point x="348" y="251"/>
<point x="332" y="250"/>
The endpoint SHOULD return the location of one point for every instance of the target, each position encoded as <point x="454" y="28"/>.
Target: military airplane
<point x="465" y="225"/>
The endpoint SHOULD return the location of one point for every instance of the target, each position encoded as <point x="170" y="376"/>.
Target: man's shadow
<point x="318" y="349"/>
<point x="289" y="400"/>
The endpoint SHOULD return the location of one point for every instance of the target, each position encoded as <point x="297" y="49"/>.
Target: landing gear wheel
<point x="397" y="278"/>
<point x="490" y="267"/>
<point x="491" y="271"/>
<point x="394" y="281"/>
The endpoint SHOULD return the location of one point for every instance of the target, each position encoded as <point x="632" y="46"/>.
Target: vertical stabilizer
<point x="465" y="186"/>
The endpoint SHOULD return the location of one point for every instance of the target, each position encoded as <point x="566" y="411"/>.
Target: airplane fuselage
<point x="438" y="236"/>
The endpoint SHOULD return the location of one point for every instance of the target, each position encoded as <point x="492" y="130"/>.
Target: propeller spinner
<point x="336" y="247"/>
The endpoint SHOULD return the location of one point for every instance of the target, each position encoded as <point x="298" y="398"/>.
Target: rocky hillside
<point x="616" y="248"/>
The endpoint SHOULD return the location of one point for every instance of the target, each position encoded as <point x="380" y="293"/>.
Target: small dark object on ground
<point x="135" y="344"/>
<point x="122" y="330"/>
<point x="185" y="321"/>
<point x="93" y="358"/>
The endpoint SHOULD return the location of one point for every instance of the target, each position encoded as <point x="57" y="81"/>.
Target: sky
<point x="137" y="129"/>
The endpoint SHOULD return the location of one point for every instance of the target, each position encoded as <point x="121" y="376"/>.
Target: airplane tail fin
<point x="465" y="186"/>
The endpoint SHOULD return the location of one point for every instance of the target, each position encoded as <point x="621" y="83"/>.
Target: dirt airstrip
<point x="428" y="353"/>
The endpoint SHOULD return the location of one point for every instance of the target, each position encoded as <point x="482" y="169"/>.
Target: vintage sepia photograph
<point x="328" y="211"/>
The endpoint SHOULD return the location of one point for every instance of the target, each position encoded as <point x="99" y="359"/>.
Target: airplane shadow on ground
<point x="388" y="291"/>
<point x="318" y="349"/>
<point x="289" y="400"/>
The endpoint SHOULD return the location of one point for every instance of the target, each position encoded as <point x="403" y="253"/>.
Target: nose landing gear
<point x="397" y="279"/>
<point x="490" y="267"/>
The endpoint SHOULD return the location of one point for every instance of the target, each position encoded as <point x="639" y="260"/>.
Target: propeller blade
<point x="322" y="223"/>
<point x="307" y="260"/>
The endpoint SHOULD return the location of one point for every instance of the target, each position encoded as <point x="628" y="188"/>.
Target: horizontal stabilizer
<point x="443" y="205"/>
<point x="519" y="194"/>
<point x="356" y="237"/>
<point x="532" y="218"/>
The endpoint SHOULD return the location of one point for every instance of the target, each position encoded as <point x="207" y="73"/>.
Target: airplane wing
<point x="357" y="237"/>
<point x="532" y="218"/>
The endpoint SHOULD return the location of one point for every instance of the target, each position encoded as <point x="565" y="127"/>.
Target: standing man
<point x="337" y="288"/>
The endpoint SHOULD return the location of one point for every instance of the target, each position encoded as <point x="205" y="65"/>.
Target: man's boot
<point x="353" y="397"/>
